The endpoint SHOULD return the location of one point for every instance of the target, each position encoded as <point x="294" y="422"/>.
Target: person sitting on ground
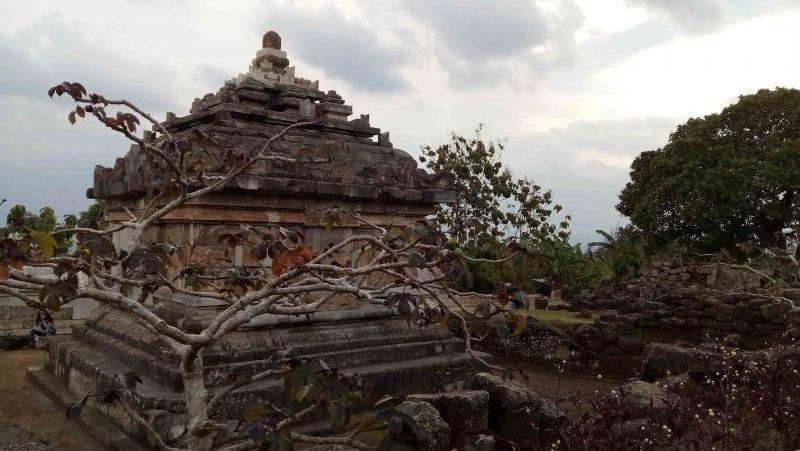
<point x="42" y="325"/>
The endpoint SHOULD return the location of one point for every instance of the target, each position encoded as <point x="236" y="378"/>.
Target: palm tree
<point x="623" y="250"/>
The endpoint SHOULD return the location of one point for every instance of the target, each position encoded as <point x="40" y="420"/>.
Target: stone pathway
<point x="27" y="416"/>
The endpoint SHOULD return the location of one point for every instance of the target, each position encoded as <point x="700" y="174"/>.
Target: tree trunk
<point x="200" y="437"/>
<point x="774" y="218"/>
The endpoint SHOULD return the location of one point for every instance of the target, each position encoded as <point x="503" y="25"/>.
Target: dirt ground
<point x="27" y="415"/>
<point x="549" y="382"/>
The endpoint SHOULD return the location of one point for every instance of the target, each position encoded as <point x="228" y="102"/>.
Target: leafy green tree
<point x="723" y="179"/>
<point x="557" y="264"/>
<point x="491" y="205"/>
<point x="44" y="228"/>
<point x="622" y="250"/>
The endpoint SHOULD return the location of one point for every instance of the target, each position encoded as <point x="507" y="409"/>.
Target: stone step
<point x="91" y="418"/>
<point x="342" y="344"/>
<point x="258" y="344"/>
<point x="426" y="375"/>
<point x="86" y="369"/>
<point x="144" y="363"/>
<point x="320" y="338"/>
<point x="83" y="368"/>
<point x="353" y="357"/>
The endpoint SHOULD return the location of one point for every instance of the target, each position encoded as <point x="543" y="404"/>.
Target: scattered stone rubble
<point x="468" y="419"/>
<point x="712" y="298"/>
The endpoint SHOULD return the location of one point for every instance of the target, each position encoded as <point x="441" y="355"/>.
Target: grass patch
<point x="559" y="317"/>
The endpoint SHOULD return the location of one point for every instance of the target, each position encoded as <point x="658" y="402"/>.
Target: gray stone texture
<point x="643" y="397"/>
<point x="464" y="410"/>
<point x="662" y="359"/>
<point x="437" y="431"/>
<point x="516" y="412"/>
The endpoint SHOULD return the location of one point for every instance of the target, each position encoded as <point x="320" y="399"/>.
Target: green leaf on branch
<point x="45" y="242"/>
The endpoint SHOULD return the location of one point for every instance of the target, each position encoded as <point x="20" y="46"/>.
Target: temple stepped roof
<point x="338" y="157"/>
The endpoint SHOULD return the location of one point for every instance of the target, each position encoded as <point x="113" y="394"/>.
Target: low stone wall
<point x="713" y="298"/>
<point x="663" y="276"/>
<point x="540" y="343"/>
<point x="18" y="320"/>
<point x="711" y="275"/>
<point x="726" y="312"/>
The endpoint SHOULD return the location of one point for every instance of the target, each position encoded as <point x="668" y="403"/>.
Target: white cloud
<point x="563" y="80"/>
<point x="594" y="156"/>
<point x="692" y="76"/>
<point x="696" y="16"/>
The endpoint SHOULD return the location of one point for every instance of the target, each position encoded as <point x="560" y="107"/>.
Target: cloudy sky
<point x="576" y="88"/>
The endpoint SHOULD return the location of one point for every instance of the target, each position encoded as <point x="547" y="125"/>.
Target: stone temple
<point x="348" y="163"/>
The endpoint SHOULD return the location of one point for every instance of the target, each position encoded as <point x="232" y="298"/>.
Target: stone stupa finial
<point x="271" y="66"/>
<point x="271" y="40"/>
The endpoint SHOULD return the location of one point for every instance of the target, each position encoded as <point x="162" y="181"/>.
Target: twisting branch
<point x="29" y="301"/>
<point x="489" y="260"/>
<point x="344" y="441"/>
<point x="233" y="387"/>
<point x="154" y="437"/>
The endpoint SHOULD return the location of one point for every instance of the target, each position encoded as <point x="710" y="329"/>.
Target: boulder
<point x="588" y="337"/>
<point x="642" y="397"/>
<point x="476" y="442"/>
<point x="793" y="315"/>
<point x="734" y="340"/>
<point x="434" y="433"/>
<point x="793" y="333"/>
<point x="775" y="309"/>
<point x="515" y="412"/>
<point x="631" y="345"/>
<point x="463" y="410"/>
<point x="330" y="448"/>
<point x="757" y="303"/>
<point x="635" y="429"/>
<point x="765" y="329"/>
<point x="682" y="385"/>
<point x="662" y="359"/>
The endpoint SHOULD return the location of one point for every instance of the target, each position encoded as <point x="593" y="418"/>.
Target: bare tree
<point x="297" y="282"/>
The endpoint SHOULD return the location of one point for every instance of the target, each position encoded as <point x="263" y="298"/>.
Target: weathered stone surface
<point x="793" y="315"/>
<point x="330" y="448"/>
<point x="539" y="342"/>
<point x="428" y="418"/>
<point x="635" y="428"/>
<point x="589" y="337"/>
<point x="682" y="385"/>
<point x="775" y="309"/>
<point x="338" y="163"/>
<point x="516" y="412"/>
<point x="642" y="396"/>
<point x="463" y="410"/>
<point x="631" y="345"/>
<point x="26" y="446"/>
<point x="663" y="359"/>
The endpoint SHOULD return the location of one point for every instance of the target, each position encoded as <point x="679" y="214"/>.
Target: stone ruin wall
<point x="709" y="275"/>
<point x="716" y="311"/>
<point x="711" y="297"/>
<point x="18" y="320"/>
